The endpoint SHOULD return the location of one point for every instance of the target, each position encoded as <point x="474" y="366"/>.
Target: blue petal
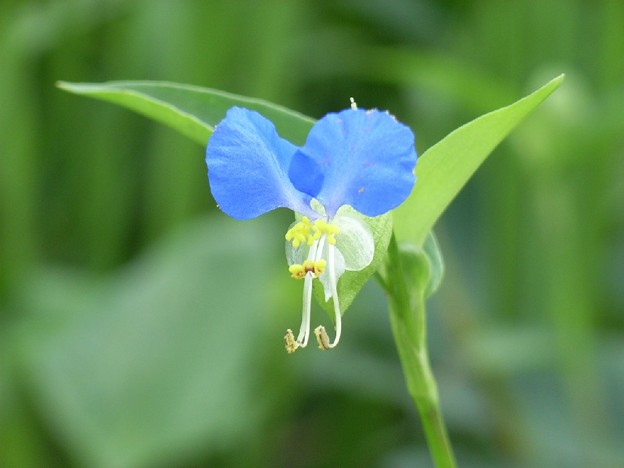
<point x="247" y="167"/>
<point x="360" y="158"/>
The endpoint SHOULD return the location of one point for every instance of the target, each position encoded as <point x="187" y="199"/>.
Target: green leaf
<point x="192" y="110"/>
<point x="352" y="282"/>
<point x="445" y="168"/>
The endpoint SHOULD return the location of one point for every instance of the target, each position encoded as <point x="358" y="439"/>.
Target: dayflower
<point x="355" y="162"/>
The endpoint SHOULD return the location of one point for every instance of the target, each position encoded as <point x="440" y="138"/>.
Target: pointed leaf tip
<point x="445" y="168"/>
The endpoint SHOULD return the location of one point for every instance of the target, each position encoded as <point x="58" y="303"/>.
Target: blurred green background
<point x="140" y="327"/>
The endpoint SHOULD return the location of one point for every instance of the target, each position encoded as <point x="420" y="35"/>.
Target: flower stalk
<point x="408" y="322"/>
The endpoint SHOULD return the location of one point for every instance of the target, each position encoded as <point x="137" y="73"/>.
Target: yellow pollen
<point x="301" y="233"/>
<point x="323" y="227"/>
<point x="289" y="340"/>
<point x="299" y="271"/>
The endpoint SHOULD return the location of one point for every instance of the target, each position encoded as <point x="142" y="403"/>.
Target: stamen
<point x="353" y="104"/>
<point x="289" y="339"/>
<point x="304" y="330"/>
<point x="322" y="338"/>
<point x="316" y="267"/>
<point x="300" y="233"/>
<point x="323" y="227"/>
<point x="321" y="334"/>
<point x="309" y="270"/>
<point x="297" y="271"/>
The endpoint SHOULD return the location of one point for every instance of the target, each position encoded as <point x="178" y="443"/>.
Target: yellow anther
<point x="323" y="227"/>
<point x="301" y="233"/>
<point x="299" y="271"/>
<point x="321" y="338"/>
<point x="319" y="267"/>
<point x="289" y="340"/>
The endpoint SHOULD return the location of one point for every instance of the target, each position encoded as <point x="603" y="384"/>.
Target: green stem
<point x="408" y="321"/>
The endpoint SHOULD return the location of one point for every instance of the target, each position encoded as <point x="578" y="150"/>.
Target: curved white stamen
<point x="332" y="278"/>
<point x="304" y="330"/>
<point x="353" y="104"/>
<point x="321" y="334"/>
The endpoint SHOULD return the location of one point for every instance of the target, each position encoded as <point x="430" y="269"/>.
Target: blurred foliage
<point x="141" y="327"/>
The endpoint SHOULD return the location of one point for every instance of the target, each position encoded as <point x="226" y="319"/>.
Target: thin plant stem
<point x="408" y="321"/>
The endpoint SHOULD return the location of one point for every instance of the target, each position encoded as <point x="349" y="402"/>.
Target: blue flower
<point x="354" y="162"/>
